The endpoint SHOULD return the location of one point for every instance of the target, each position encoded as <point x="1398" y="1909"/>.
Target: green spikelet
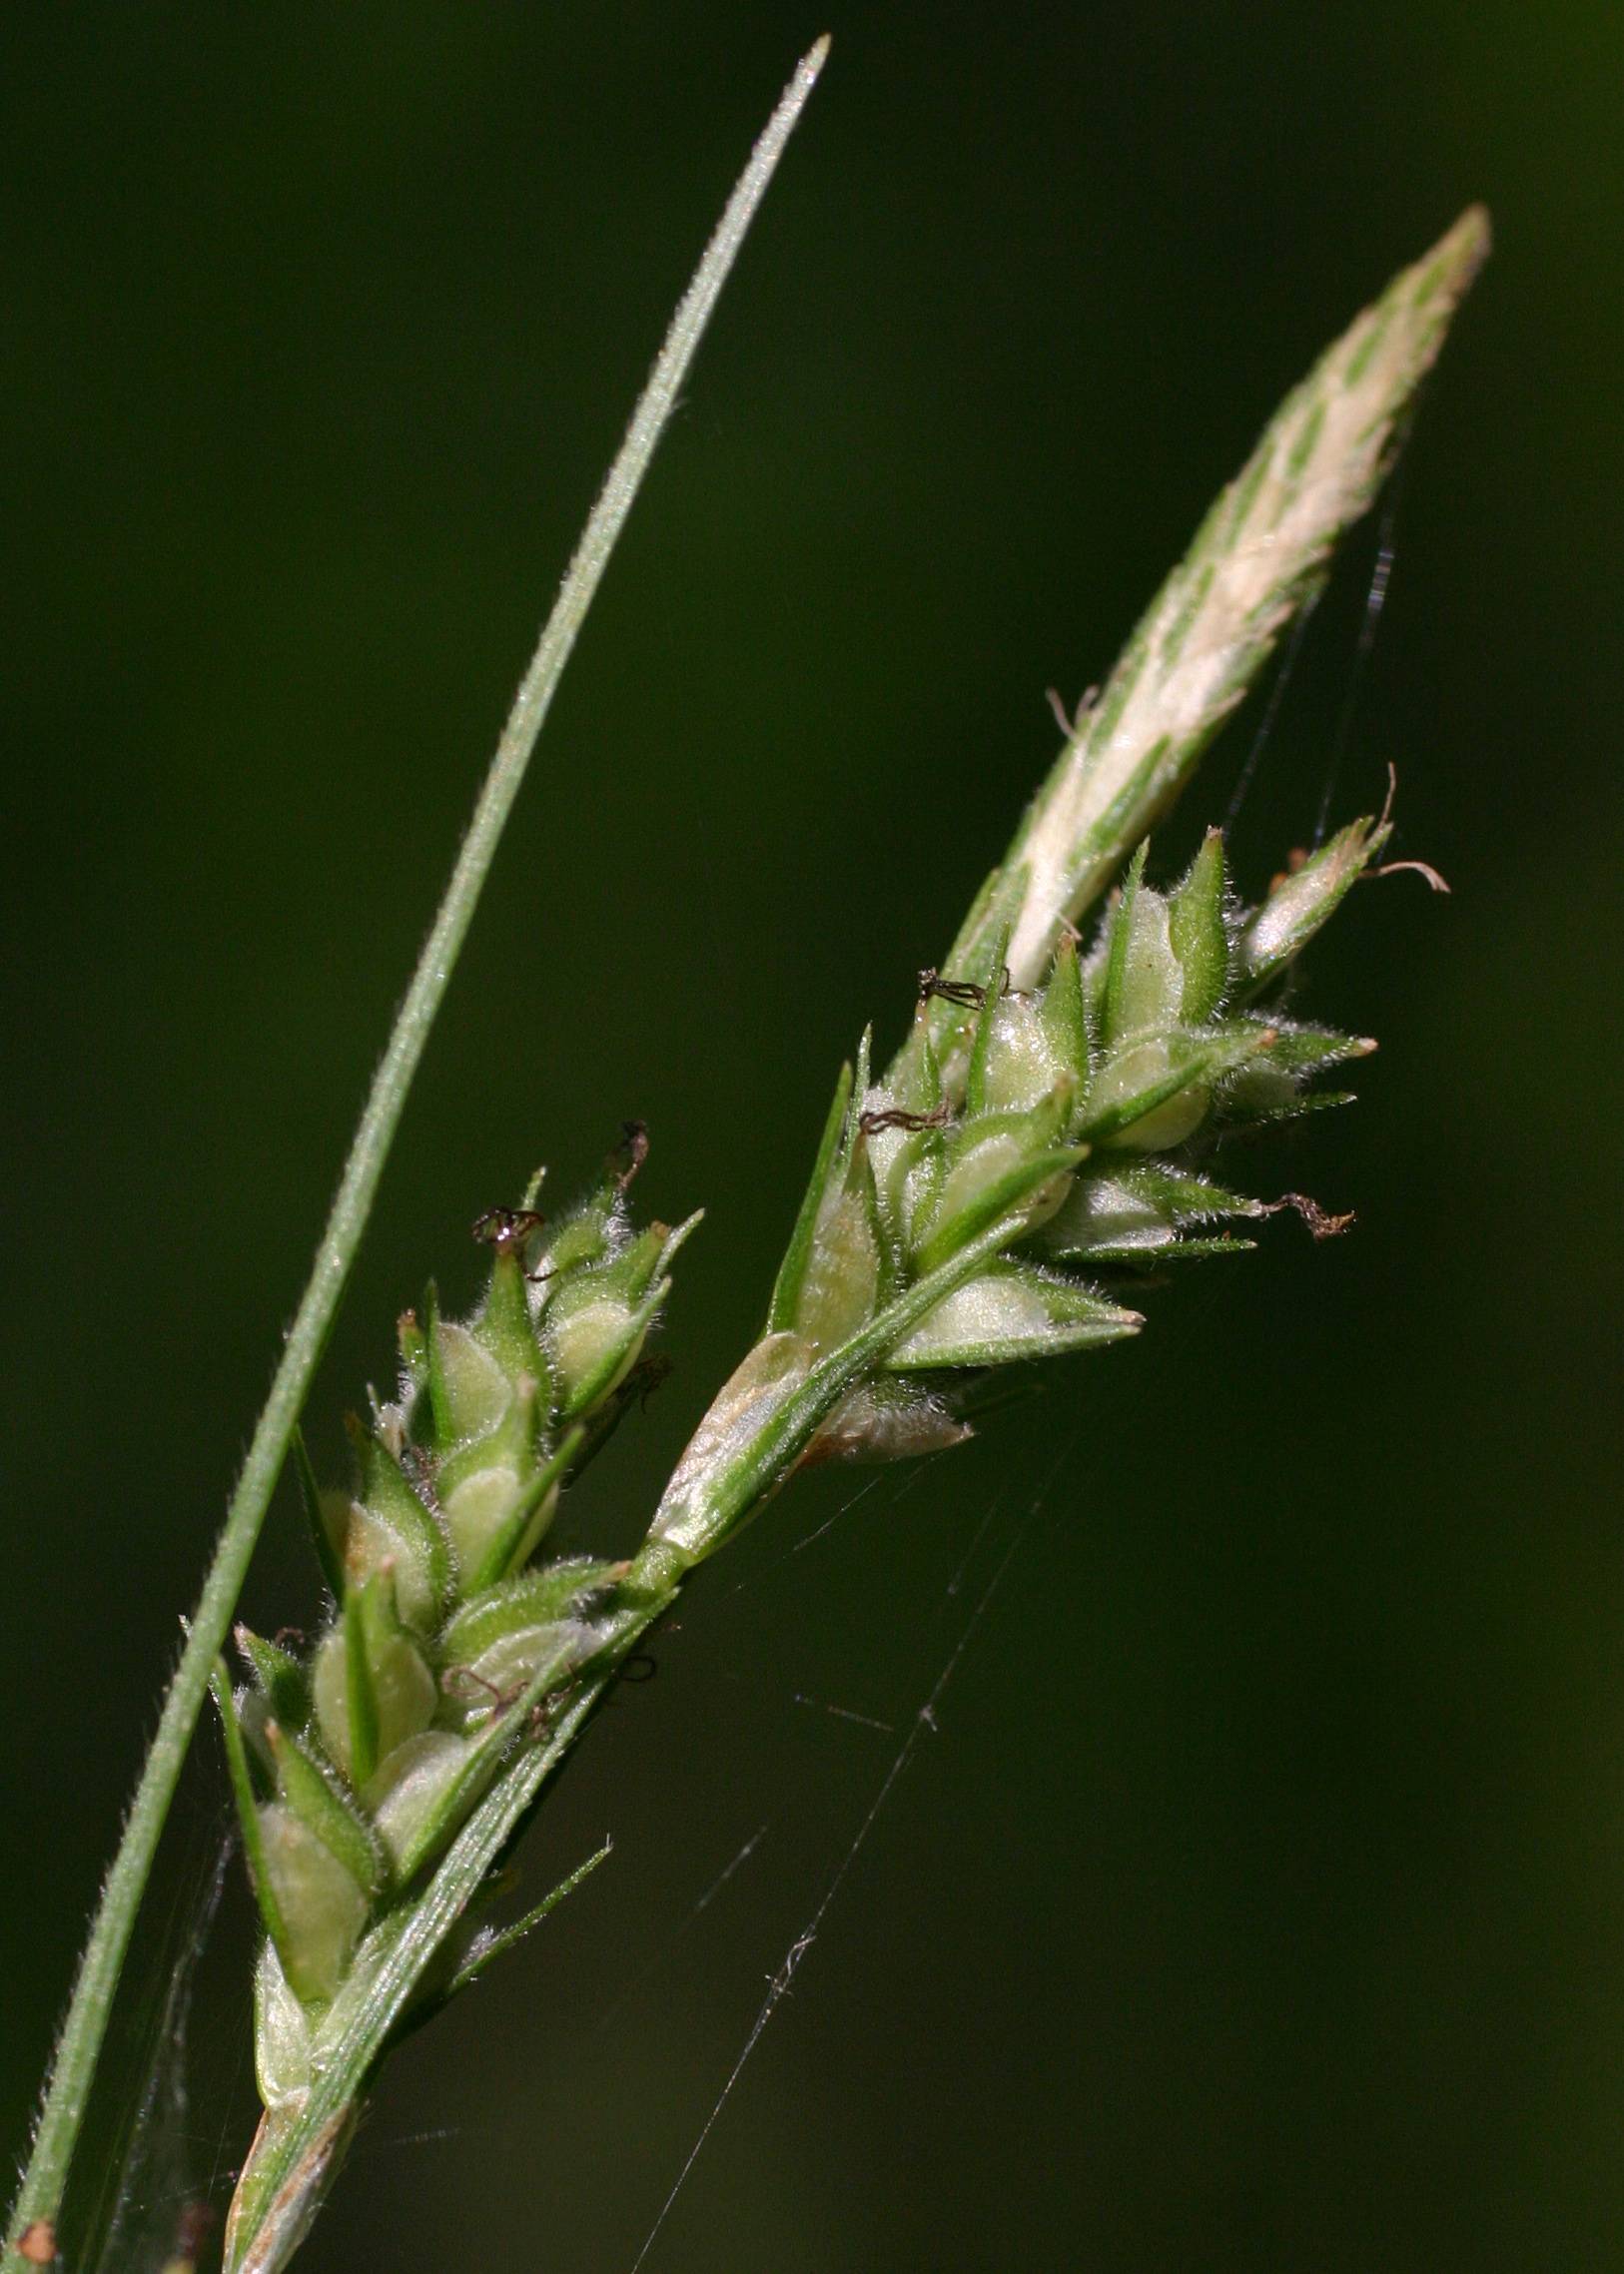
<point x="1066" y="1126"/>
<point x="355" y="1765"/>
<point x="1078" y="1130"/>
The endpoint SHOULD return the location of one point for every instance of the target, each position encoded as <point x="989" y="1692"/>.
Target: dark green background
<point x="1259" y="1901"/>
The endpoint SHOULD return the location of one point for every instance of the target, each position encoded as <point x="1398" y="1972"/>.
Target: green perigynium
<point x="1056" y="1119"/>
<point x="355" y="1764"/>
<point x="1025" y="1148"/>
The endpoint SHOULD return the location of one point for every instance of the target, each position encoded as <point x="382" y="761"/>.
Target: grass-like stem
<point x="79" y="2045"/>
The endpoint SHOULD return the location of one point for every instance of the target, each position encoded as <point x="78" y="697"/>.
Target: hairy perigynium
<point x="1054" y="1124"/>
<point x="356" y="1764"/>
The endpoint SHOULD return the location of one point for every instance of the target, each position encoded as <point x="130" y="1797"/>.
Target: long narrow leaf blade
<point x="34" y="2213"/>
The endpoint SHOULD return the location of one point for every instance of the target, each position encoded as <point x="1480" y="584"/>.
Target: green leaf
<point x="269" y="2229"/>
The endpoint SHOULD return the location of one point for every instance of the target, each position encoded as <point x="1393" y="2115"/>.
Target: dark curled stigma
<point x="630" y="1153"/>
<point x="894" y="1118"/>
<point x="963" y="992"/>
<point x="463" y="1682"/>
<point x="507" y="1228"/>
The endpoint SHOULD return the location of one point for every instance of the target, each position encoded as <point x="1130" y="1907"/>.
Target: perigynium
<point x="1058" y="1116"/>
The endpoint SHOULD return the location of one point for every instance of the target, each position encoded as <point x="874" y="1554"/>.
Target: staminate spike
<point x="1258" y="558"/>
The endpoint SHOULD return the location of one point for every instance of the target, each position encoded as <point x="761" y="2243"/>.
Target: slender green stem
<point x="79" y="2045"/>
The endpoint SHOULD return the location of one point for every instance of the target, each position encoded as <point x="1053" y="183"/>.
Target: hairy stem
<point x="79" y="2046"/>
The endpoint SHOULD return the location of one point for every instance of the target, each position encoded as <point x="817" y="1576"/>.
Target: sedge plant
<point x="1058" y="1116"/>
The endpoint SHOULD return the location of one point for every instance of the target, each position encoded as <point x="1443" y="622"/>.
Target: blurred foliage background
<point x="1259" y="1899"/>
